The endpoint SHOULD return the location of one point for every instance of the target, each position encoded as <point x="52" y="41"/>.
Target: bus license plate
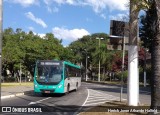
<point x="46" y="91"/>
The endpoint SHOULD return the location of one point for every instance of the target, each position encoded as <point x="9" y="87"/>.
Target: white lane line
<point x="78" y="111"/>
<point x="86" y="98"/>
<point x="93" y="97"/>
<point x="10" y="96"/>
<point x="43" y="99"/>
<point x="101" y="95"/>
<point x="96" y="103"/>
<point x="100" y="100"/>
<point x="39" y="101"/>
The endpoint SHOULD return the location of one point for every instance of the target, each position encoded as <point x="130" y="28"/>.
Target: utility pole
<point x="86" y="67"/>
<point x="20" y="73"/>
<point x="99" y="73"/>
<point x="122" y="68"/>
<point x="1" y="15"/>
<point x="133" y="73"/>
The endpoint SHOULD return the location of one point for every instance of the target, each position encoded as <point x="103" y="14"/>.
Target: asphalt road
<point x="88" y="95"/>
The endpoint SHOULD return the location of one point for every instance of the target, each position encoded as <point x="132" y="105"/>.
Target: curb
<point x="10" y="96"/>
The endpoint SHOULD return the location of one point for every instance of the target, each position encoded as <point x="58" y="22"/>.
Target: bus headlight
<point x="60" y="86"/>
<point x="36" y="85"/>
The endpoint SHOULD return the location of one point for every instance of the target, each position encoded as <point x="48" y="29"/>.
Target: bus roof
<point x="71" y="64"/>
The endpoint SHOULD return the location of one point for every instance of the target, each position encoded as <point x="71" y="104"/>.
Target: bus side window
<point x="66" y="72"/>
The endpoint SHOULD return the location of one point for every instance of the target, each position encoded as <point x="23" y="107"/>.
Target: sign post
<point x="119" y="41"/>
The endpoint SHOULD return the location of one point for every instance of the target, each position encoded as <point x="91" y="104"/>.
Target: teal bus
<point x="52" y="76"/>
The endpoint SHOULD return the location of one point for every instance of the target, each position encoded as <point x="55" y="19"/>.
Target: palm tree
<point x="155" y="53"/>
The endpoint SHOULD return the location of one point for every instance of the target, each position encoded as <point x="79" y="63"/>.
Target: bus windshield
<point x="49" y="74"/>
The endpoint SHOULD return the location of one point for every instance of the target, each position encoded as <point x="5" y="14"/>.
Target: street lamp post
<point x="145" y="69"/>
<point x="86" y="66"/>
<point x="86" y="63"/>
<point x="145" y="55"/>
<point x="1" y="18"/>
<point x="122" y="68"/>
<point x="99" y="60"/>
<point x="20" y="73"/>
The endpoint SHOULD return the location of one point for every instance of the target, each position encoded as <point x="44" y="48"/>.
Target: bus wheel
<point x="68" y="87"/>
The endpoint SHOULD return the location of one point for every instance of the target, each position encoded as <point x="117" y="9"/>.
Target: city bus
<point x="52" y="76"/>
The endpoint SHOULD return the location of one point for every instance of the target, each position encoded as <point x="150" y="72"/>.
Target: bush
<point x="9" y="79"/>
<point x="141" y="74"/>
<point x="125" y="75"/>
<point x="148" y="74"/>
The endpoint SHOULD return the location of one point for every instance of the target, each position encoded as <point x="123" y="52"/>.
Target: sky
<point x="66" y="19"/>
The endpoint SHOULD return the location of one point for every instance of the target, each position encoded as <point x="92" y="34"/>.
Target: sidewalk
<point x="12" y="91"/>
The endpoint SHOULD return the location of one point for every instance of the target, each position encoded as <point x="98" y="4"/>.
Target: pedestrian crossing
<point x="98" y="97"/>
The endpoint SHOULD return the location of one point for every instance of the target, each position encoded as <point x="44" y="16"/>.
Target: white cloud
<point x="103" y="16"/>
<point x="52" y="10"/>
<point x="55" y="9"/>
<point x="48" y="2"/>
<point x="49" y="8"/>
<point x="120" y="17"/>
<point x="24" y="3"/>
<point x="42" y="35"/>
<point x="31" y="28"/>
<point x="71" y="2"/>
<point x="35" y="19"/>
<point x="98" y="5"/>
<point x="70" y="35"/>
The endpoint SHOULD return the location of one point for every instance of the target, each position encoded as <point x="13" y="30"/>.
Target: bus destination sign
<point x="49" y="63"/>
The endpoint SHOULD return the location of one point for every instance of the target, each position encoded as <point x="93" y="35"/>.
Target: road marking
<point x="9" y="96"/>
<point x="96" y="103"/>
<point x="93" y="100"/>
<point x="78" y="111"/>
<point x="98" y="97"/>
<point x="31" y="103"/>
<point x="86" y="98"/>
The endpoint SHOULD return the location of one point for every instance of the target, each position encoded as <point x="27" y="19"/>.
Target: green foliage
<point x="123" y="74"/>
<point x="26" y="48"/>
<point x="20" y="48"/>
<point x="146" y="32"/>
<point x="10" y="79"/>
<point x="148" y="74"/>
<point x="88" y="46"/>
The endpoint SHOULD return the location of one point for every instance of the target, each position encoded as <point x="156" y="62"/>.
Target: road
<point x="89" y="94"/>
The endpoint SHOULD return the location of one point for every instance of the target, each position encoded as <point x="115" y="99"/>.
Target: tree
<point x="88" y="46"/>
<point x="149" y="33"/>
<point x="155" y="54"/>
<point x="146" y="30"/>
<point x="11" y="51"/>
<point x="25" y="48"/>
